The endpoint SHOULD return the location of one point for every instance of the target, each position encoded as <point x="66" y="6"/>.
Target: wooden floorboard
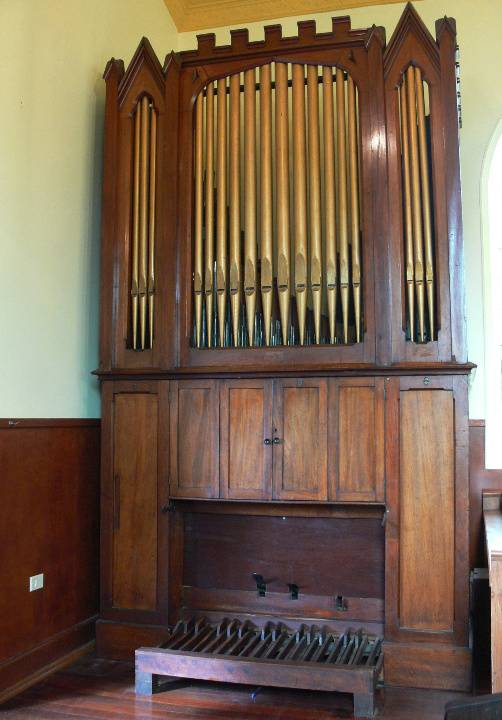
<point x="102" y="690"/>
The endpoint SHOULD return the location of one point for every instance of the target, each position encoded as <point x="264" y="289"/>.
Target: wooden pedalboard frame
<point x="233" y="651"/>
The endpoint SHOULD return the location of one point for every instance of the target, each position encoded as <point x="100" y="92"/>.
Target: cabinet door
<point x="246" y="439"/>
<point x="300" y="439"/>
<point x="133" y="489"/>
<point x="427" y="543"/>
<point x="356" y="446"/>
<point x="194" y="439"/>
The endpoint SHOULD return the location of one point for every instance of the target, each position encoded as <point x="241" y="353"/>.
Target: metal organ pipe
<point x="288" y="221"/>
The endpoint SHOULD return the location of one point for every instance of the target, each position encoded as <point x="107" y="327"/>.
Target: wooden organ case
<point x="283" y="360"/>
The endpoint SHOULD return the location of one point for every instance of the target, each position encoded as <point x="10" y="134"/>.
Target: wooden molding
<point x="61" y="650"/>
<point x="191" y="15"/>
<point x="25" y="423"/>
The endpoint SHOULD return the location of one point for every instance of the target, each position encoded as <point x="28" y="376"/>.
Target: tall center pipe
<point x="197" y="279"/>
<point x="282" y="170"/>
<point x="209" y="204"/>
<point x="330" y="199"/>
<point x="250" y="194"/>
<point x="342" y="200"/>
<point x="315" y="197"/>
<point x="266" y="198"/>
<point x="235" y="218"/>
<point x="300" y="200"/>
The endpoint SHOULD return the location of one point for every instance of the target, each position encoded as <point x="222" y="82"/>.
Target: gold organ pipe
<point x="416" y="199"/>
<point x="209" y="254"/>
<point x="221" y="207"/>
<point x="197" y="279"/>
<point x="266" y="198"/>
<point x="329" y="198"/>
<point x="250" y="194"/>
<point x="426" y="200"/>
<point x="300" y="189"/>
<point x="151" y="219"/>
<point x="315" y="197"/>
<point x="143" y="224"/>
<point x="235" y="221"/>
<point x="408" y="226"/>
<point x="354" y="204"/>
<point x="282" y="170"/>
<point x="135" y="231"/>
<point x="342" y="199"/>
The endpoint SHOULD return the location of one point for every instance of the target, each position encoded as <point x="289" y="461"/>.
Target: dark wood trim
<point x="297" y="370"/>
<point x="24" y="423"/>
<point x="476" y="423"/>
<point x="30" y="667"/>
<point x="279" y="509"/>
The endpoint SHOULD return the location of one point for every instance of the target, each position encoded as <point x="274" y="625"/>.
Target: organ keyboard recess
<point x="283" y="361"/>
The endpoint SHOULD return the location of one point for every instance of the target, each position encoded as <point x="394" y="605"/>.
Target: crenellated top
<point x="308" y="38"/>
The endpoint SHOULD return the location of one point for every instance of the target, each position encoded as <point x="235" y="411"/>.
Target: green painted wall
<point x="52" y="57"/>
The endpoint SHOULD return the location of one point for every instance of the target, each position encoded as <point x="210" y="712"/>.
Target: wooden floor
<point x="102" y="689"/>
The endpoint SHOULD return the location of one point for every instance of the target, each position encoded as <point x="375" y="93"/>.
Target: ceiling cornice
<point x="190" y="15"/>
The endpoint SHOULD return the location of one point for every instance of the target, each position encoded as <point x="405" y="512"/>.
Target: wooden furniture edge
<point x="492" y="513"/>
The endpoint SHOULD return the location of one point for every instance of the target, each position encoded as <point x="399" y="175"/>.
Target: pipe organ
<point x="143" y="225"/>
<point x="279" y="207"/>
<point x="282" y="334"/>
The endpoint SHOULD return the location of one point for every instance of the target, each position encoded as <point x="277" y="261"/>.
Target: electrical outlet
<point x="36" y="582"/>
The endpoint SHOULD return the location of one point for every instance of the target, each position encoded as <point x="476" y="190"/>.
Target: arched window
<point x="491" y="197"/>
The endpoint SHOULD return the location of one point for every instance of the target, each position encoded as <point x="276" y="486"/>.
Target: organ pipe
<point x="250" y="194"/>
<point x="416" y="201"/>
<point x="282" y="171"/>
<point x="144" y="168"/>
<point x="314" y="197"/>
<point x="257" y="242"/>
<point x="408" y="225"/>
<point x="198" y="250"/>
<point x="135" y="230"/>
<point x="426" y="202"/>
<point x="221" y="207"/>
<point x="300" y="201"/>
<point x="342" y="200"/>
<point x="235" y="228"/>
<point x="329" y="200"/>
<point x="354" y="204"/>
<point x="266" y="198"/>
<point x="209" y="208"/>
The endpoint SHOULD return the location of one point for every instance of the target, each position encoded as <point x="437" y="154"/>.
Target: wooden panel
<point x="135" y="501"/>
<point x="245" y="425"/>
<point x="427" y="666"/>
<point x="318" y="554"/>
<point x="280" y="605"/>
<point x="118" y="641"/>
<point x="357" y="441"/>
<point x="195" y="439"/>
<point x="49" y="523"/>
<point x="427" y="510"/>
<point x="300" y="434"/>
